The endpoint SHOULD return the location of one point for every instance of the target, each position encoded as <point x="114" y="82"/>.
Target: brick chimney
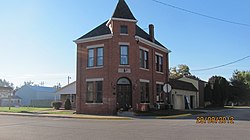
<point x="151" y="32"/>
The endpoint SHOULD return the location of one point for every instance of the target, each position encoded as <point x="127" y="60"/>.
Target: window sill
<point x="94" y="103"/>
<point x="123" y="34"/>
<point x="124" y="65"/>
<point x="144" y="69"/>
<point x="98" y="67"/>
<point x="159" y="72"/>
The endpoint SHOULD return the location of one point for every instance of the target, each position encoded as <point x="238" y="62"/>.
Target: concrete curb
<point x="173" y="116"/>
<point x="68" y="116"/>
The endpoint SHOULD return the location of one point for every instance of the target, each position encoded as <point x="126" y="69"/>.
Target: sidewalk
<point x="97" y="117"/>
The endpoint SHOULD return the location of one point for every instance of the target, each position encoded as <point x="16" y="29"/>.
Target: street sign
<point x="167" y="88"/>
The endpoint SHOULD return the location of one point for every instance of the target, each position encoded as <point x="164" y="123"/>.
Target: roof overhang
<point x="142" y="40"/>
<point x="96" y="38"/>
<point x="121" y="19"/>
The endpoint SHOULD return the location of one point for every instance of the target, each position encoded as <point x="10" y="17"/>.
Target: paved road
<point x="34" y="128"/>
<point x="242" y="114"/>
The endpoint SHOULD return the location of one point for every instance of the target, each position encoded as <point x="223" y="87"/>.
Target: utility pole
<point x="68" y="79"/>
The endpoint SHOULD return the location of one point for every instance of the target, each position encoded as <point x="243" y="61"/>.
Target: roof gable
<point x="122" y="11"/>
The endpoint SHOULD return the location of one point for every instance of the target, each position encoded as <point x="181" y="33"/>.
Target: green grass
<point x="24" y="109"/>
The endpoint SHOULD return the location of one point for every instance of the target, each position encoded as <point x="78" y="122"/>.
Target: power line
<point x="222" y="65"/>
<point x="200" y="14"/>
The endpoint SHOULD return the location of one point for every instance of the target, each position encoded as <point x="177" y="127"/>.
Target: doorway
<point x="124" y="94"/>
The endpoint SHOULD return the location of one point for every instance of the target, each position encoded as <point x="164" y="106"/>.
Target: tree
<point x="5" y="83"/>
<point x="67" y="104"/>
<point x="219" y="87"/>
<point x="180" y="71"/>
<point x="241" y="81"/>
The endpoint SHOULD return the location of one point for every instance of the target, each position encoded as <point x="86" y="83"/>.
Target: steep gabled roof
<point x="177" y="84"/>
<point x="122" y="11"/>
<point x="98" y="31"/>
<point x="104" y="30"/>
<point x="141" y="33"/>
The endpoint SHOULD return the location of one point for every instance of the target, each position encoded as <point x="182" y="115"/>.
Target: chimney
<point x="151" y="32"/>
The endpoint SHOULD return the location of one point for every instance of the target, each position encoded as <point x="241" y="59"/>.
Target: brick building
<point x="120" y="66"/>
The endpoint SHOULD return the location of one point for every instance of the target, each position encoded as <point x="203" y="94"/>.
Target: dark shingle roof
<point x="122" y="11"/>
<point x="177" y="84"/>
<point x="104" y="30"/>
<point x="100" y="30"/>
<point x="141" y="33"/>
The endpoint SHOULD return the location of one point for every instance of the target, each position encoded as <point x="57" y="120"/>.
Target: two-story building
<point x="120" y="66"/>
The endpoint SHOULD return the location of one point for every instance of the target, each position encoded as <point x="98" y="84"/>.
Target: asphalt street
<point x="41" y="128"/>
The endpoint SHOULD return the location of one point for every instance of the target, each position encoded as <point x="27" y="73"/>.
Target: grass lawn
<point x="24" y="109"/>
<point x="167" y="112"/>
<point x="35" y="110"/>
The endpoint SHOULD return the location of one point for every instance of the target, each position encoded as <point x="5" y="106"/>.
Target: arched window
<point x="123" y="81"/>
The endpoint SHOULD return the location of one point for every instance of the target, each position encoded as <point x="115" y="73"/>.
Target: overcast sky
<point x="37" y="35"/>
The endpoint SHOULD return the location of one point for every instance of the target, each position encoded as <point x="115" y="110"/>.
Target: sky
<point x="36" y="36"/>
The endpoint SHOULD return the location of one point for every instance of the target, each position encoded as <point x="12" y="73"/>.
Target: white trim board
<point x="94" y="79"/>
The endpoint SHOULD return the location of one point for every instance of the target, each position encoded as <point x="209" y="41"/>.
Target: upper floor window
<point x="124" y="29"/>
<point x="143" y="59"/>
<point x="99" y="61"/>
<point x="124" y="55"/>
<point x="159" y="63"/>
<point x="90" y="57"/>
<point x="95" y="53"/>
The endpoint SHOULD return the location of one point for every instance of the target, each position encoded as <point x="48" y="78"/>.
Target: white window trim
<point x="93" y="103"/>
<point x="145" y="49"/>
<point x="124" y="43"/>
<point x="123" y="34"/>
<point x="124" y="65"/>
<point x="159" y="54"/>
<point x="98" y="67"/>
<point x="144" y="69"/>
<point x="144" y="81"/>
<point x="94" y="79"/>
<point x="159" y="72"/>
<point x="160" y="83"/>
<point x="95" y="46"/>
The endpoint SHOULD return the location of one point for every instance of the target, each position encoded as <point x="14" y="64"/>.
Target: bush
<point x="56" y="105"/>
<point x="67" y="105"/>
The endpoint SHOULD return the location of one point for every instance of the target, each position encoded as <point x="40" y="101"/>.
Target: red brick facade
<point x="112" y="71"/>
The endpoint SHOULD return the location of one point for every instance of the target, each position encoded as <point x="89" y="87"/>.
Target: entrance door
<point x="124" y="94"/>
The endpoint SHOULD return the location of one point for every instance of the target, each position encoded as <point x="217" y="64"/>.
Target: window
<point x="99" y="57"/>
<point x="159" y="93"/>
<point x="124" y="55"/>
<point x="159" y="63"/>
<point x="94" y="92"/>
<point x="90" y="92"/>
<point x="143" y="59"/>
<point x="144" y="92"/>
<point x="90" y="57"/>
<point x="124" y="29"/>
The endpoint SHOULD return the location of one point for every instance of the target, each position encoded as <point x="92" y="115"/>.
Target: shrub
<point x="67" y="105"/>
<point x="56" y="105"/>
